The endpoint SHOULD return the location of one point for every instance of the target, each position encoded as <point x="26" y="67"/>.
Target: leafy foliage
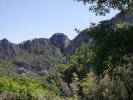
<point x="111" y="47"/>
<point x="104" y="6"/>
<point x="25" y="88"/>
<point x="79" y="63"/>
<point x="110" y="57"/>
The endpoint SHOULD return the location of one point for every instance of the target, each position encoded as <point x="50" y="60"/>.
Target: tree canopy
<point x="101" y="7"/>
<point x="111" y="46"/>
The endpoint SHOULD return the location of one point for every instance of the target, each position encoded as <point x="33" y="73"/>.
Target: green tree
<point x="111" y="47"/>
<point x="80" y="63"/>
<point x="104" y="6"/>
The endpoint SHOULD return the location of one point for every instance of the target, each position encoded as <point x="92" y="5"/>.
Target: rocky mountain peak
<point x="6" y="49"/>
<point x="60" y="40"/>
<point x="5" y="41"/>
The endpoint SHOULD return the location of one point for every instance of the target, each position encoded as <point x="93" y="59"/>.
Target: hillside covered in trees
<point x="96" y="65"/>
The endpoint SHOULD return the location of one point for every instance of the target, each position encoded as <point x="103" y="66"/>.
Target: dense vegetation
<point x="99" y="70"/>
<point x="101" y="7"/>
<point x="104" y="69"/>
<point x="24" y="88"/>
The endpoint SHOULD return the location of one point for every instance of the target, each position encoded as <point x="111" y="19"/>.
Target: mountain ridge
<point x="41" y="53"/>
<point x="59" y="40"/>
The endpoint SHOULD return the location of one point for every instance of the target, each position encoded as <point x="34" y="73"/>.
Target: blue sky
<point x="27" y="19"/>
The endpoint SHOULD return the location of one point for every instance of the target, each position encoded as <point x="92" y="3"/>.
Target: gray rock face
<point x="58" y="40"/>
<point x="77" y="42"/>
<point x="23" y="65"/>
<point x="120" y="18"/>
<point x="21" y="71"/>
<point x="7" y="49"/>
<point x="30" y="44"/>
<point x="61" y="41"/>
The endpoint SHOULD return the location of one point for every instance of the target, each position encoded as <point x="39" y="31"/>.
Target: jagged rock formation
<point x="61" y="41"/>
<point x="58" y="40"/>
<point x="30" y="44"/>
<point x="120" y="18"/>
<point x="77" y="42"/>
<point x="24" y="65"/>
<point x="7" y="49"/>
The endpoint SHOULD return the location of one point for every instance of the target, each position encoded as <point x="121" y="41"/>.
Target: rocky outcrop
<point x="61" y="41"/>
<point x="24" y="65"/>
<point x="29" y="45"/>
<point x="120" y="18"/>
<point x="58" y="40"/>
<point x="77" y="42"/>
<point x="21" y="71"/>
<point x="7" y="49"/>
